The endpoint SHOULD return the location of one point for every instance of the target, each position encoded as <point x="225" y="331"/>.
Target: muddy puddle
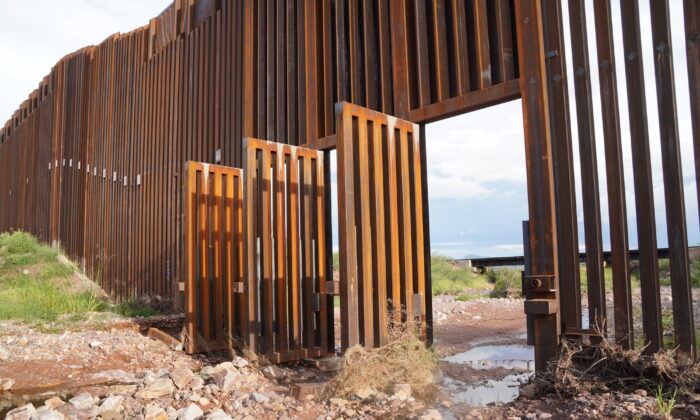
<point x="9" y="401"/>
<point x="487" y="374"/>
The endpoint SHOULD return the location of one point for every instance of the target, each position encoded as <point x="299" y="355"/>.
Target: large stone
<point x="53" y="402"/>
<point x="71" y="412"/>
<point x="211" y="370"/>
<point x="218" y="414"/>
<point x="182" y="376"/>
<point x="113" y="403"/>
<point x="225" y="366"/>
<point x="47" y="414"/>
<point x="197" y="383"/>
<point x="226" y="380"/>
<point x="207" y="371"/>
<point x="82" y="401"/>
<point x="191" y="412"/>
<point x="111" y="415"/>
<point x="21" y="413"/>
<point x="153" y="412"/>
<point x="160" y="388"/>
<point x="239" y="362"/>
<point x="259" y="398"/>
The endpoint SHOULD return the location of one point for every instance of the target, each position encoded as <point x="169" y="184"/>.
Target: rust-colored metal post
<point x="540" y="182"/>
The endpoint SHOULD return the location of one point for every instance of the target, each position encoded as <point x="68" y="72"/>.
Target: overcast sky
<point x="476" y="162"/>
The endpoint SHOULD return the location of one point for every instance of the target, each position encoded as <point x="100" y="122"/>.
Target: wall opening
<point x="478" y="200"/>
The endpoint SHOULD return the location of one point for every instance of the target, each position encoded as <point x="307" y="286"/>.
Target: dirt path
<point x="481" y="342"/>
<point x="459" y="326"/>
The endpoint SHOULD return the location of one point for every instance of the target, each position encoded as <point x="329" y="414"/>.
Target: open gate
<point x="214" y="269"/>
<point x="256" y="243"/>
<point x="255" y="249"/>
<point x="384" y="263"/>
<point x="286" y="252"/>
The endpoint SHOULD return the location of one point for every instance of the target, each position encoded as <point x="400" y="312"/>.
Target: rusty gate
<point x="286" y="252"/>
<point x="256" y="259"/>
<point x="214" y="265"/>
<point x="383" y="258"/>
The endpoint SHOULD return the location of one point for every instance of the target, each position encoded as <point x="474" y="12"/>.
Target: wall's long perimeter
<point x="93" y="159"/>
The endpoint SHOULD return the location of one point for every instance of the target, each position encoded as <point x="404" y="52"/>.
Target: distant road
<point x="693" y="251"/>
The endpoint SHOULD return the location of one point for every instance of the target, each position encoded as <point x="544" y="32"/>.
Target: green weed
<point x="336" y="261"/>
<point x="448" y="278"/>
<point x="35" y="287"/>
<point x="131" y="309"/>
<point x="507" y="282"/>
<point x="665" y="401"/>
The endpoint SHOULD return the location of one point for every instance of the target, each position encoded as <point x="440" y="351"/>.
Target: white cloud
<point x="485" y="146"/>
<point x="455" y="188"/>
<point x="476" y="250"/>
<point x="35" y="34"/>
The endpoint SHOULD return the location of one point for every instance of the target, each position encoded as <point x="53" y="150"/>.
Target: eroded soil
<point x="482" y="344"/>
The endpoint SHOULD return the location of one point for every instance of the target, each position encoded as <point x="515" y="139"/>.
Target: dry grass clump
<point x="403" y="360"/>
<point x="585" y="367"/>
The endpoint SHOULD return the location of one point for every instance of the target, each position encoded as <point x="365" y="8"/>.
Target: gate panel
<point x="286" y="244"/>
<point x="383" y="263"/>
<point x="213" y="256"/>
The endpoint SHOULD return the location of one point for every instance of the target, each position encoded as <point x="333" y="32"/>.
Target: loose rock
<point x="191" y="412"/>
<point x="153" y="412"/>
<point x="226" y="380"/>
<point x="182" y="376"/>
<point x="239" y="362"/>
<point x="258" y="397"/>
<point x="218" y="414"/>
<point x="112" y="404"/>
<point x="82" y="401"/>
<point x="47" y="414"/>
<point x="21" y="413"/>
<point x="53" y="402"/>
<point x="157" y="389"/>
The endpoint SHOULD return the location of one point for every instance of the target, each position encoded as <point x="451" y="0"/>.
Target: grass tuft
<point x="18" y="242"/>
<point x="665" y="401"/>
<point x="403" y="360"/>
<point x="133" y="309"/>
<point x="35" y="287"/>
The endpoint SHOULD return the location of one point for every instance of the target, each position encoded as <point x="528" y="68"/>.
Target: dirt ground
<point x="482" y="344"/>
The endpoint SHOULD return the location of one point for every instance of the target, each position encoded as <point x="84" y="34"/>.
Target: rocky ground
<point x="115" y="371"/>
